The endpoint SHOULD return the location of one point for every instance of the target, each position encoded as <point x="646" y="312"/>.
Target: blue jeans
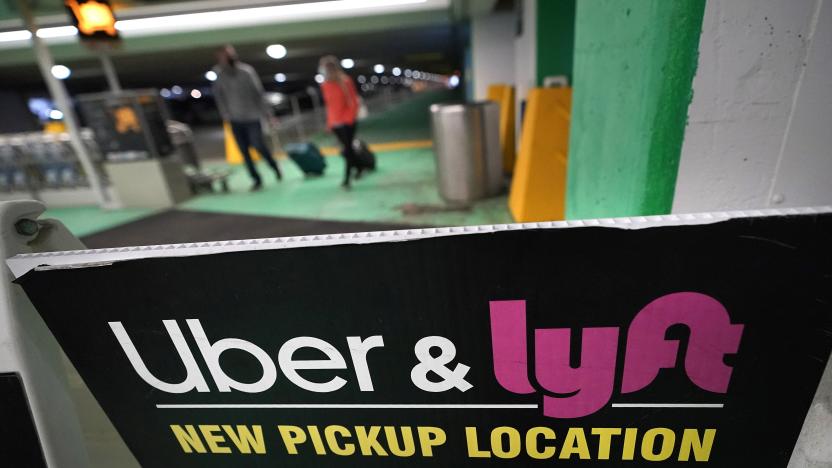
<point x="250" y="135"/>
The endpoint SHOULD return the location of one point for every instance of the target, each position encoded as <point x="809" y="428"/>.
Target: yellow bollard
<point x="55" y="126"/>
<point x="232" y="151"/>
<point x="538" y="189"/>
<point x="503" y="95"/>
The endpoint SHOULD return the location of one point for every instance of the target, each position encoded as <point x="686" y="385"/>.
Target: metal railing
<point x="35" y="161"/>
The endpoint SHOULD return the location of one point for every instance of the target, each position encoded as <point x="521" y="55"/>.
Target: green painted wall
<point x="555" y="38"/>
<point x="633" y="70"/>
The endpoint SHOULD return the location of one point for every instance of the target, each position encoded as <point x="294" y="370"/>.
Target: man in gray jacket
<point x="239" y="96"/>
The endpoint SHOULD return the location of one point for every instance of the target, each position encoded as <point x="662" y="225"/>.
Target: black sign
<point x="19" y="443"/>
<point x="579" y="347"/>
<point x="127" y="126"/>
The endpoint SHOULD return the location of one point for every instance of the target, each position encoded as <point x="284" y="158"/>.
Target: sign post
<point x="61" y="98"/>
<point x="110" y="72"/>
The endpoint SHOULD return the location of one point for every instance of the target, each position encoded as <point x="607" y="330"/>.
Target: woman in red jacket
<point x="341" y="99"/>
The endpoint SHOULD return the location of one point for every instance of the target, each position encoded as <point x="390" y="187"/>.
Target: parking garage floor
<point x="401" y="193"/>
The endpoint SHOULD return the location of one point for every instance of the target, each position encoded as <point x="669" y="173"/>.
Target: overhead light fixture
<point x="59" y="31"/>
<point x="55" y="114"/>
<point x="276" y="51"/>
<point x="61" y="72"/>
<point x="13" y="36"/>
<point x="176" y="89"/>
<point x="362" y="79"/>
<point x="259" y="15"/>
<point x="408" y="73"/>
<point x="280" y="77"/>
<point x="319" y="78"/>
<point x="211" y="75"/>
<point x="43" y="33"/>
<point x="378" y="68"/>
<point x="396" y="71"/>
<point x="164" y="92"/>
<point x="240" y="17"/>
<point x="347" y="63"/>
<point x="196" y="94"/>
<point x="453" y="81"/>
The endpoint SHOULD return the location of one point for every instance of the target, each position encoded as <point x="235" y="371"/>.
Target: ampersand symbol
<point x="427" y="363"/>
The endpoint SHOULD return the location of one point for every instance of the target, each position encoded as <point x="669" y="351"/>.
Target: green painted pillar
<point x="555" y="38"/>
<point x="633" y="69"/>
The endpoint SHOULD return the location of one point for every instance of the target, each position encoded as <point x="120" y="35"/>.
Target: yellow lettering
<point x="430" y="437"/>
<point x="334" y="444"/>
<point x="213" y="440"/>
<point x="245" y="441"/>
<point x="574" y="442"/>
<point x="649" y="440"/>
<point x="292" y="436"/>
<point x="629" y="449"/>
<point x="473" y="444"/>
<point x="368" y="441"/>
<point x="513" y="442"/>
<point x="317" y="442"/>
<point x="189" y="440"/>
<point x="701" y="447"/>
<point x="532" y="437"/>
<point x="605" y="440"/>
<point x="393" y="441"/>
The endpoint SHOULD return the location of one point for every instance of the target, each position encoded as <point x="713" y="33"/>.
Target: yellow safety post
<point x="232" y="151"/>
<point x="538" y="189"/>
<point x="503" y="95"/>
<point x="55" y="126"/>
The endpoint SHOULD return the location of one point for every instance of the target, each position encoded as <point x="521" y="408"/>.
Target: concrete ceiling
<point x="429" y="38"/>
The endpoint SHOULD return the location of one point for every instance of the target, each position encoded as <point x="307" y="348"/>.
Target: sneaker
<point x="256" y="187"/>
<point x="278" y="174"/>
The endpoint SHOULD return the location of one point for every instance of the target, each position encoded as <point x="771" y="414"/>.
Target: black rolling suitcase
<point x="365" y="158"/>
<point x="308" y="157"/>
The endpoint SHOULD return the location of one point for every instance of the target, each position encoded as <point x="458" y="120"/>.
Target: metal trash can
<point x="466" y="141"/>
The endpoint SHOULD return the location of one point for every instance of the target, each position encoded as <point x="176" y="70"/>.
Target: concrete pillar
<point x="492" y="51"/>
<point x="633" y="67"/>
<point x="758" y="134"/>
<point x="525" y="57"/>
<point x="555" y="38"/>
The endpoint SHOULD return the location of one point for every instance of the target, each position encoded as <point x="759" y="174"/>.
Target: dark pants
<point x="345" y="135"/>
<point x="250" y="135"/>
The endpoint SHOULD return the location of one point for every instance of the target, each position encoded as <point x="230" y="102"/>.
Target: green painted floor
<point x="405" y="177"/>
<point x="409" y="120"/>
<point x="402" y="191"/>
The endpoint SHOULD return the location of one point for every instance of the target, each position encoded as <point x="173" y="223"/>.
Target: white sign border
<point x="23" y="263"/>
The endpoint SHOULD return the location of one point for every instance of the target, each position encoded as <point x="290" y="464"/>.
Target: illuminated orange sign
<point x="93" y="18"/>
<point x="126" y="120"/>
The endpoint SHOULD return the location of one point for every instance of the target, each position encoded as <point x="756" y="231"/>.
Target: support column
<point x="555" y="38"/>
<point x="110" y="72"/>
<point x="61" y="98"/>
<point x="492" y="51"/>
<point x="633" y="68"/>
<point x="758" y="125"/>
